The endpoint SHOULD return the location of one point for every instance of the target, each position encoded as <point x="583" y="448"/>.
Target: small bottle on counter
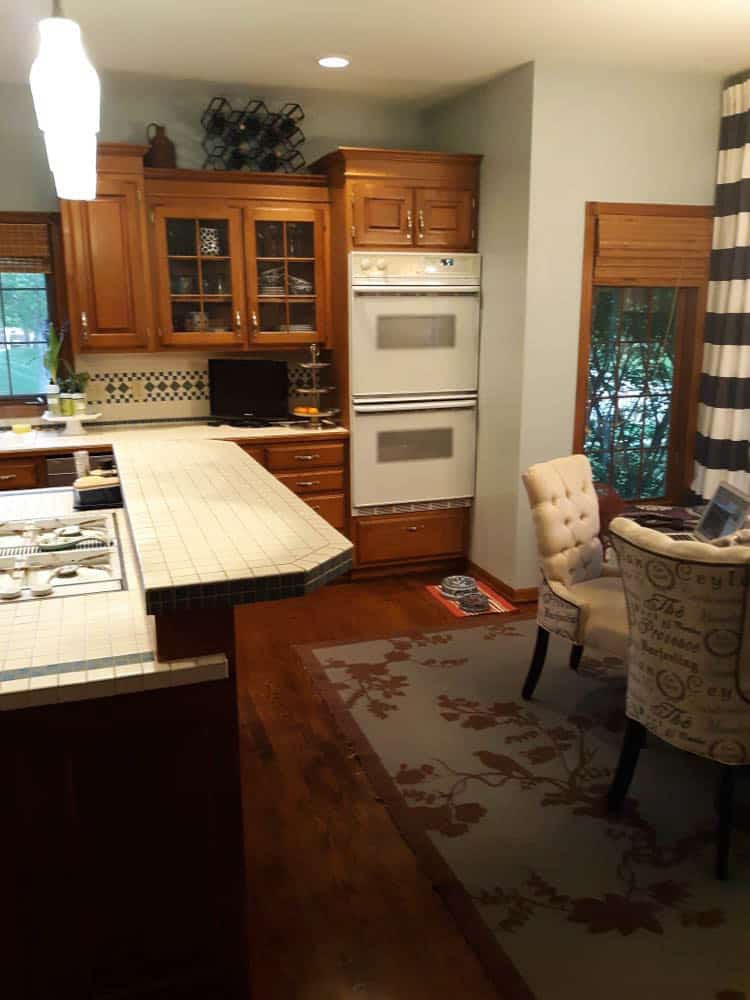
<point x="82" y="463"/>
<point x="53" y="399"/>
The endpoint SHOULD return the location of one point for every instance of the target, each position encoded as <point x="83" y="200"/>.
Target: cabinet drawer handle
<point x="409" y="223"/>
<point x="311" y="482"/>
<point x="8" y="477"/>
<point x="306" y="458"/>
<point x="254" y="321"/>
<point x="85" y="325"/>
<point x="315" y="506"/>
<point x="421" y="224"/>
<point x="412" y="527"/>
<point x="238" y="321"/>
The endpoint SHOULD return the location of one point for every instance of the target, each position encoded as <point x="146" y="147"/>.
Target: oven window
<point x="410" y="446"/>
<point x="396" y="332"/>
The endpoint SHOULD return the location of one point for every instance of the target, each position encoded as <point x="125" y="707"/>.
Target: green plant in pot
<point x="73" y="391"/>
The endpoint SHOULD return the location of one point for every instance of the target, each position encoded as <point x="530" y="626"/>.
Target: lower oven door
<point x="405" y="341"/>
<point x="408" y="452"/>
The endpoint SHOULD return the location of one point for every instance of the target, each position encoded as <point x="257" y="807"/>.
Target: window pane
<point x="27" y="372"/>
<point x="630" y="385"/>
<point x="26" y="315"/>
<point x="15" y="280"/>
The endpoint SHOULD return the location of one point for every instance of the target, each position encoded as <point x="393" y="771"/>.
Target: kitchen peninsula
<point x="120" y="765"/>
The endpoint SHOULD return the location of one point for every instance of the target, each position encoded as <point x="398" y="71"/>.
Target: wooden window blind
<point x="651" y="249"/>
<point x="25" y="247"/>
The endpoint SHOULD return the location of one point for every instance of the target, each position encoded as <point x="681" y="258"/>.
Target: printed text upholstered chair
<point x="688" y="658"/>
<point x="580" y="599"/>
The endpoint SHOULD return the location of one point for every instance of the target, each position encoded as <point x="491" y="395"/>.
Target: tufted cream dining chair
<point x="580" y="598"/>
<point x="688" y="658"/>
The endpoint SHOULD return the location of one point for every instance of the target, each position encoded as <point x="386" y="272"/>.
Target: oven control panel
<point x="416" y="268"/>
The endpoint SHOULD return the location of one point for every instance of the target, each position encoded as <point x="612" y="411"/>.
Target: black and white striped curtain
<point x="723" y="439"/>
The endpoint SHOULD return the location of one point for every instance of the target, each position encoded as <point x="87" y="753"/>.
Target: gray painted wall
<point x="496" y="120"/>
<point x="598" y="133"/>
<point x="130" y="102"/>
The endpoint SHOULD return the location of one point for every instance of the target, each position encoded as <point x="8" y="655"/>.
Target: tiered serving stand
<point x="323" y="418"/>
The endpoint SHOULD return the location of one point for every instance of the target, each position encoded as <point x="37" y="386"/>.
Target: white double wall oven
<point x="414" y="358"/>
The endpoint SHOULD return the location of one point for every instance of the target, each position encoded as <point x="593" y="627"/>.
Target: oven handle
<point x="415" y="292"/>
<point x="415" y="407"/>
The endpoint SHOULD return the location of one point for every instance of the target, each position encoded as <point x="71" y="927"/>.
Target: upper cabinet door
<point x="445" y="219"/>
<point x="200" y="274"/>
<point x="107" y="267"/>
<point x="382" y="215"/>
<point x="287" y="267"/>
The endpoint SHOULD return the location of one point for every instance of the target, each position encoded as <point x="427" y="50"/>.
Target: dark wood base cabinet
<point x="407" y="543"/>
<point x="121" y="834"/>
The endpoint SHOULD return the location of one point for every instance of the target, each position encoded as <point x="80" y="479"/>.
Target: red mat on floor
<point x="498" y="604"/>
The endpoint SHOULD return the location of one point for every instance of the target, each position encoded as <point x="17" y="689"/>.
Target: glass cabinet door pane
<point x="271" y="278"/>
<point x="301" y="317"/>
<point x="217" y="277"/>
<point x="300" y="239"/>
<point x="269" y="239"/>
<point x="218" y="317"/>
<point x="214" y="238"/>
<point x="301" y="277"/>
<point x="183" y="277"/>
<point x="188" y="316"/>
<point x="272" y="317"/>
<point x="181" y="238"/>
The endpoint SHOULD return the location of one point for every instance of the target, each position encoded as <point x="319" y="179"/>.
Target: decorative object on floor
<point x="252" y="137"/>
<point x="161" y="148"/>
<point x="481" y="600"/>
<point x="66" y="93"/>
<point x="580" y="597"/>
<point x="689" y="641"/>
<point x="722" y="437"/>
<point x="504" y="803"/>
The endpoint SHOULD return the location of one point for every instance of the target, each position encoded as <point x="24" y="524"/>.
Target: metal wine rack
<point x="252" y="137"/>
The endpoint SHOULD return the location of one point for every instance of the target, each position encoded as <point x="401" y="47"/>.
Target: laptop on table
<point x="726" y="513"/>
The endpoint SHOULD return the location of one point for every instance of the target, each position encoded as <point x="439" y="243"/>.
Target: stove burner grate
<point x="24" y="551"/>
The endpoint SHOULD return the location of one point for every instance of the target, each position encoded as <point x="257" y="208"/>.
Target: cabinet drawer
<point x="20" y="475"/>
<point x="330" y="507"/>
<point x="426" y="535"/>
<point x="304" y="455"/>
<point x="313" y="482"/>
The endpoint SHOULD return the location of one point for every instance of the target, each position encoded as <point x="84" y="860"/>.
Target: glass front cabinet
<point x="286" y="275"/>
<point x="240" y="277"/>
<point x="200" y="272"/>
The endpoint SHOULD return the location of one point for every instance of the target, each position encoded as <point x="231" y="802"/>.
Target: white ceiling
<point x="408" y="49"/>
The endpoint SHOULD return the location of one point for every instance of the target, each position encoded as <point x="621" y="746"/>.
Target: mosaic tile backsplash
<point x="138" y="387"/>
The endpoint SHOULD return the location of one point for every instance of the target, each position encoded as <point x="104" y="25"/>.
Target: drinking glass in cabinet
<point x="300" y="239"/>
<point x="270" y="278"/>
<point x="188" y="316"/>
<point x="269" y="239"/>
<point x="181" y="236"/>
<point x="213" y="237"/>
<point x="272" y="317"/>
<point x="216" y="277"/>
<point x="183" y="277"/>
<point x="301" y="278"/>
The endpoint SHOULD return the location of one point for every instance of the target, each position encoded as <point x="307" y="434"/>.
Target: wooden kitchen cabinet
<point x="287" y="274"/>
<point x="392" y="199"/>
<point x="424" y="536"/>
<point x="199" y="267"/>
<point x="106" y="258"/>
<point x="22" y="473"/>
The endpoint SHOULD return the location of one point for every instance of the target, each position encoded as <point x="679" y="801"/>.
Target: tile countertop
<point x="61" y="649"/>
<point x="212" y="528"/>
<point x="45" y="439"/>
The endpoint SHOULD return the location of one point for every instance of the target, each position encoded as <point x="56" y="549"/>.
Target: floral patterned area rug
<point x="502" y="801"/>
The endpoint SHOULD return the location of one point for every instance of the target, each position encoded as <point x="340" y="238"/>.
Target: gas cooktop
<point x="61" y="556"/>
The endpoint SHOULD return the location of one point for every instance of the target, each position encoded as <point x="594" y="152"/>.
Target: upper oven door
<point x="409" y="341"/>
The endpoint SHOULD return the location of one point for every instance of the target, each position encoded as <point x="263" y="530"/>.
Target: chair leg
<point x="635" y="737"/>
<point x="575" y="656"/>
<point x="537" y="662"/>
<point x="726" y="810"/>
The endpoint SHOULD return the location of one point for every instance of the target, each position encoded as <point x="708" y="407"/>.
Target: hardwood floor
<point x="337" y="905"/>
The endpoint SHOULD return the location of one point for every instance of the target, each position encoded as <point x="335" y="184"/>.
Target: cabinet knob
<point x="409" y="222"/>
<point x="85" y="326"/>
<point x="254" y="321"/>
<point x="420" y="220"/>
<point x="238" y="321"/>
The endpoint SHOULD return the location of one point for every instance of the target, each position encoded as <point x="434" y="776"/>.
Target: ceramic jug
<point x="161" y="152"/>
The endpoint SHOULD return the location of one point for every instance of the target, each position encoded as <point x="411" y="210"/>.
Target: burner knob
<point x="381" y="264"/>
<point x="365" y="264"/>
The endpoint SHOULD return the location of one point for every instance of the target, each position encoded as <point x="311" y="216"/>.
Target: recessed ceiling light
<point x="333" y="62"/>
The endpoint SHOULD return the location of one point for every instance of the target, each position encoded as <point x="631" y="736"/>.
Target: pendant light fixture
<point x="67" y="95"/>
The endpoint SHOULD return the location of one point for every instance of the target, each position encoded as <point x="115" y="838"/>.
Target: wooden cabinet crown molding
<point x="421" y="167"/>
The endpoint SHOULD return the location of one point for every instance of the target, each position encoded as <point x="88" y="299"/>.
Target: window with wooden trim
<point x="29" y="300"/>
<point x="645" y="274"/>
